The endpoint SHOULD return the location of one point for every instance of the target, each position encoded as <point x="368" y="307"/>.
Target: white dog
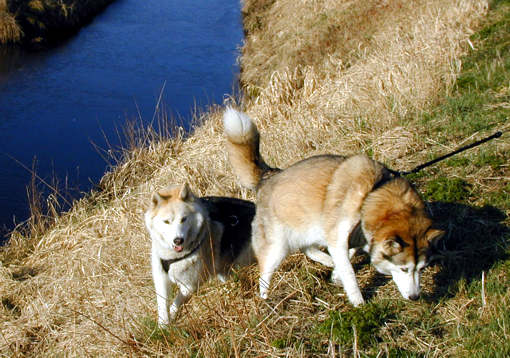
<point x="194" y="239"/>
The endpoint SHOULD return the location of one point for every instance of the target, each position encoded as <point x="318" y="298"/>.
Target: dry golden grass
<point x="409" y="65"/>
<point x="9" y="29"/>
<point x="319" y="76"/>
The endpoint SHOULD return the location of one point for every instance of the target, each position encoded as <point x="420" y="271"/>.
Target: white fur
<point x="276" y="255"/>
<point x="188" y="221"/>
<point x="237" y="125"/>
<point x="315" y="254"/>
<point x="297" y="240"/>
<point x="408" y="283"/>
<point x="286" y="240"/>
<point x="344" y="272"/>
<point x="185" y="273"/>
<point x="165" y="228"/>
<point x="406" y="277"/>
<point x="161" y="285"/>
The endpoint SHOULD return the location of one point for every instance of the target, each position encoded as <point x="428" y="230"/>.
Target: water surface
<point x="54" y="104"/>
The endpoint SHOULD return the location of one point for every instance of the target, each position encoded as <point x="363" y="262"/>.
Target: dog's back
<point x="236" y="216"/>
<point x="317" y="188"/>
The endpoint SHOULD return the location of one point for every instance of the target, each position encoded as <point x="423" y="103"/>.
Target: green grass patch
<point x="485" y="156"/>
<point x="487" y="67"/>
<point x="458" y="162"/>
<point x="489" y="157"/>
<point x="486" y="337"/>
<point x="402" y="353"/>
<point x="481" y="96"/>
<point x="365" y="321"/>
<point x="499" y="198"/>
<point x="447" y="190"/>
<point x="495" y="283"/>
<point x="152" y="332"/>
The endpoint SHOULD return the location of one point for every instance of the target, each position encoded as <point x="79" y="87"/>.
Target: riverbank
<point x="39" y="23"/>
<point x="10" y="31"/>
<point x="403" y="81"/>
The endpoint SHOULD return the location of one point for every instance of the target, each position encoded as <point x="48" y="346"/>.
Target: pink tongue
<point x="178" y="248"/>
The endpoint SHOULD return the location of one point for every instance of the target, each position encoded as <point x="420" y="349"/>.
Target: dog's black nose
<point x="414" y="297"/>
<point x="178" y="240"/>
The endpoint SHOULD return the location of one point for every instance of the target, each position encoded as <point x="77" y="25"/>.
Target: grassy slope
<point x="406" y="87"/>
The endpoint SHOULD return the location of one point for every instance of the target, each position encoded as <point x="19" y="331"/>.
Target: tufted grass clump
<point x="360" y="324"/>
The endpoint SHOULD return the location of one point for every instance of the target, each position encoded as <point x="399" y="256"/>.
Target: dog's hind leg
<point x="270" y="249"/>
<point x="315" y="254"/>
<point x="268" y="264"/>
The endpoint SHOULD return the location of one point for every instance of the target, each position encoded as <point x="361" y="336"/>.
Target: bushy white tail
<point x="243" y="148"/>
<point x="238" y="127"/>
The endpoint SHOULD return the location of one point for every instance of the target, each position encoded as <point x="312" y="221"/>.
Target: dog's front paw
<point x="163" y="321"/>
<point x="173" y="313"/>
<point x="263" y="288"/>
<point x="350" y="286"/>
<point x="221" y="277"/>
<point x="263" y="292"/>
<point x="335" y="279"/>
<point x="357" y="301"/>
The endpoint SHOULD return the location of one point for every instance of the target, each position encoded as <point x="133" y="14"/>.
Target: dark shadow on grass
<point x="374" y="281"/>
<point x="476" y="239"/>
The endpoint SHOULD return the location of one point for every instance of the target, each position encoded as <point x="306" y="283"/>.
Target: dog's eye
<point x="184" y="219"/>
<point x="405" y="269"/>
<point x="166" y="221"/>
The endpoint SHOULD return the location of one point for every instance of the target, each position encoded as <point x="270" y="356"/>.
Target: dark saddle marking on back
<point x="236" y="216"/>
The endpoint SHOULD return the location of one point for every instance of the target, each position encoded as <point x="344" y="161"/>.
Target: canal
<point x="59" y="105"/>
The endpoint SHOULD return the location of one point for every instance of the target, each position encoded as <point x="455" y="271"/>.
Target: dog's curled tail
<point x="243" y="148"/>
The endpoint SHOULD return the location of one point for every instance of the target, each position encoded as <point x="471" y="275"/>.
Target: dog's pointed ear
<point x="186" y="194"/>
<point x="433" y="236"/>
<point x="156" y="199"/>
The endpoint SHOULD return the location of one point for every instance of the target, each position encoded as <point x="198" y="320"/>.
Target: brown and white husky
<point x="334" y="202"/>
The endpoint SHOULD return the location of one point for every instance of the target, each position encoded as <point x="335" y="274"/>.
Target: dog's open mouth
<point x="178" y="248"/>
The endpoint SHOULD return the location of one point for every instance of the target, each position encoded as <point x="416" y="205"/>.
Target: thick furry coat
<point x="194" y="239"/>
<point x="334" y="202"/>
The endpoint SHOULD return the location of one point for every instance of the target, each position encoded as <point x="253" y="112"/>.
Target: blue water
<point x="55" y="104"/>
